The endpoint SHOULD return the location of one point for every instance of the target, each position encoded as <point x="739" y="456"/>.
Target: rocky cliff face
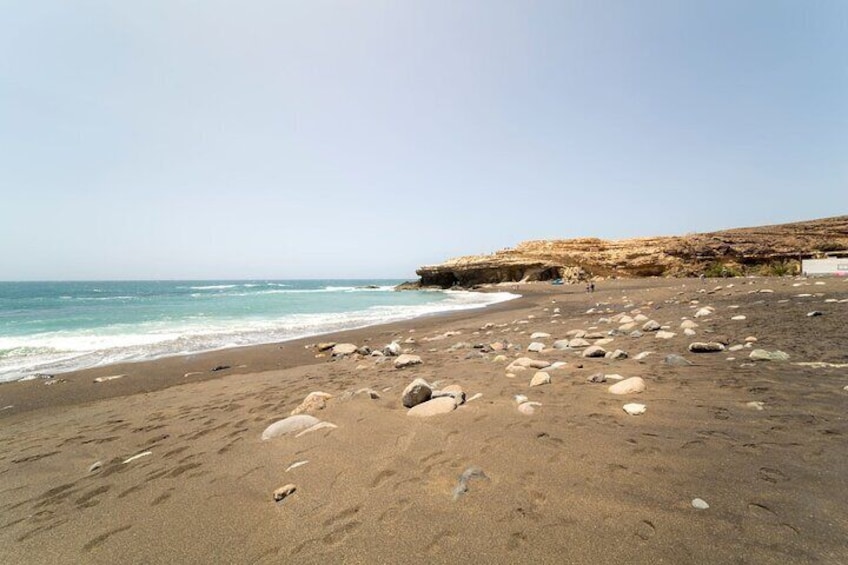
<point x="764" y="250"/>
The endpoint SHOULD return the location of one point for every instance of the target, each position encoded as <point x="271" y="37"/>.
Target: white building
<point x="832" y="266"/>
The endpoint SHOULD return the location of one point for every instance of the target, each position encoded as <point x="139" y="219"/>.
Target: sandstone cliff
<point x="763" y="250"/>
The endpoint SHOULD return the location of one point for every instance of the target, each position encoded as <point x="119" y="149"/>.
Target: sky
<point x="167" y="139"/>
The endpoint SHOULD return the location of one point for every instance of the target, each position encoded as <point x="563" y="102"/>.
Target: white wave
<point x="214" y="287"/>
<point x="56" y="352"/>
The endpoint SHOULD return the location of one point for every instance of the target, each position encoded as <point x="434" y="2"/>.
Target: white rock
<point x="689" y="332"/>
<point x="520" y="399"/>
<point x="604" y="341"/>
<point x="739" y="317"/>
<point x="528" y="408"/>
<point x="578" y="343"/>
<point x="536" y="347"/>
<point x="700" y="504"/>
<point x="527" y="363"/>
<point x="407" y="360"/>
<point x="703" y="312"/>
<point x="341" y="349"/>
<point x="540" y="378"/>
<point x="594" y="351"/>
<point x="628" y="386"/>
<point x="651" y="326"/>
<point x="763" y="355"/>
<point x="755" y="404"/>
<point x="634" y="409"/>
<point x="539" y="335"/>
<point x="662" y="334"/>
<point x="643" y="355"/>
<point x="688" y="324"/>
<point x="289" y="425"/>
<point x="314" y="401"/>
<point x="735" y="348"/>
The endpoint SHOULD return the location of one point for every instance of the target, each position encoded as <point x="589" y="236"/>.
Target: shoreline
<point x="156" y="467"/>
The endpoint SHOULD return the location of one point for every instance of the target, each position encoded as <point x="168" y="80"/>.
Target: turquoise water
<point x="51" y="327"/>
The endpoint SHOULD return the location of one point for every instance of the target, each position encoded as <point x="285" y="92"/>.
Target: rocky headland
<point x="764" y="250"/>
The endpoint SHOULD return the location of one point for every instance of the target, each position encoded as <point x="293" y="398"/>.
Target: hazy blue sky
<point x="212" y="139"/>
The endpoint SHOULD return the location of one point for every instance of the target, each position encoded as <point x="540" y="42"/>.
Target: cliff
<point x="773" y="249"/>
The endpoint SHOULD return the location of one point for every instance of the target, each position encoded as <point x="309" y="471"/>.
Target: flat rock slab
<point x="763" y="355"/>
<point x="407" y="360"/>
<point x="341" y="349"/>
<point x="434" y="407"/>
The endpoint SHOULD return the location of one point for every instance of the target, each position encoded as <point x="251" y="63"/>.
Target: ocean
<point x="48" y="328"/>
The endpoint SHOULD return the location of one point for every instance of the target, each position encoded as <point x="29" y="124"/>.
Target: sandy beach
<point x="166" y="464"/>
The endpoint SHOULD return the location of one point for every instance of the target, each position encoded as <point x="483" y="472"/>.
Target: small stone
<point x="594" y="351"/>
<point x="597" y="378"/>
<point x="706" y="311"/>
<point x="735" y="348"/>
<point x="662" y="334"/>
<point x="578" y="343"/>
<point x="434" y="407"/>
<point x="342" y="349"/>
<point x="283" y="492"/>
<point x="617" y="355"/>
<point x="95" y="466"/>
<point x="407" y="360"/>
<point x="763" y="355"/>
<point x="528" y="408"/>
<point x="392" y="350"/>
<point x="814" y="313"/>
<point x="755" y="404"/>
<point x="700" y="504"/>
<point x="739" y="317"/>
<point x="643" y="355"/>
<point x="628" y="386"/>
<point x="313" y="402"/>
<point x="289" y="425"/>
<point x="651" y="326"/>
<point x="705" y="347"/>
<point x="540" y="378"/>
<point x="326" y="345"/>
<point x="539" y="335"/>
<point x="520" y="399"/>
<point x="688" y="324"/>
<point x="536" y="347"/>
<point x="689" y="332"/>
<point x="634" y="409"/>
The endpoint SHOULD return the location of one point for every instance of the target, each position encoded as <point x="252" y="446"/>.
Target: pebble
<point x="283" y="492"/>
<point x="814" y="313"/>
<point x="628" y="386"/>
<point x="676" y="360"/>
<point x="597" y="378"/>
<point x="643" y="355"/>
<point x="689" y="332"/>
<point x="540" y="378"/>
<point x="536" y="347"/>
<point x="407" y="360"/>
<point x="539" y="335"/>
<point x="578" y="343"/>
<point x="634" y="409"/>
<point x="739" y="317"/>
<point x="616" y="355"/>
<point x="706" y="311"/>
<point x="651" y="326"/>
<point x="700" y="504"/>
<point x="520" y="398"/>
<point x="662" y="334"/>
<point x="755" y="404"/>
<point x="342" y="349"/>
<point x="688" y="324"/>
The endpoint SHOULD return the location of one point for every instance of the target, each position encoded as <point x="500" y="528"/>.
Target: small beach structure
<point x="829" y="266"/>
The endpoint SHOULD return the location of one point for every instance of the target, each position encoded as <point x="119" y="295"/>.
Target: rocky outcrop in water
<point x="773" y="250"/>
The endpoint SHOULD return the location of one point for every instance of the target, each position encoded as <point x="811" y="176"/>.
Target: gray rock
<point x="594" y="351"/>
<point x="617" y="354"/>
<point x="705" y="347"/>
<point x="597" y="378"/>
<point x="466" y="476"/>
<point x="636" y="334"/>
<point x="416" y="392"/>
<point x="763" y="355"/>
<point x="676" y="360"/>
<point x="341" y="349"/>
<point x="651" y="326"/>
<point x="407" y="360"/>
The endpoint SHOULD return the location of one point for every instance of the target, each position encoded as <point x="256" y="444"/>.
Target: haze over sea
<point x="53" y="327"/>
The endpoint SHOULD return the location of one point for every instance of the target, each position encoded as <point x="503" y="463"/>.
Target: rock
<point x="750" y="339"/>
<point x="313" y="402"/>
<point x="326" y="345"/>
<point x="369" y="392"/>
<point x="689" y="332"/>
<point x="739" y="317"/>
<point x="416" y="392"/>
<point x="289" y="425"/>
<point x="634" y="409"/>
<point x="527" y="363"/>
<point x="636" y="334"/>
<point x="407" y="360"/>
<point x="617" y="354"/>
<point x="499" y="358"/>
<point x="540" y="378"/>
<point x="651" y="326"/>
<point x="604" y="341"/>
<point x="528" y="408"/>
<point x="706" y="311"/>
<point x="519" y="399"/>
<point x="95" y="466"/>
<point x="662" y="334"/>
<point x="466" y="477"/>
<point x="763" y="355"/>
<point x="735" y="348"/>
<point x="283" y="492"/>
<point x="597" y="378"/>
<point x="365" y="351"/>
<point x="475" y="396"/>
<point x="113" y="377"/>
<point x="700" y="504"/>
<point x="625" y="319"/>
<point x="594" y="351"/>
<point x="705" y="347"/>
<point x="451" y="392"/>
<point x="688" y="324"/>
<point x="342" y="349"/>
<point x="814" y="313"/>
<point x="392" y="350"/>
<point x="315" y="428"/>
<point x="578" y="343"/>
<point x="628" y="386"/>
<point x="540" y="335"/>
<point x="433" y="407"/>
<point x="643" y="355"/>
<point x="576" y="333"/>
<point x="756" y="404"/>
<point x="676" y="360"/>
<point x="536" y="347"/>
<point x="627" y="327"/>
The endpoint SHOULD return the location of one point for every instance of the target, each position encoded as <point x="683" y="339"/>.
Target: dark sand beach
<point x="577" y="481"/>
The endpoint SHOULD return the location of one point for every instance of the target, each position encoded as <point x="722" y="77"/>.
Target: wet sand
<point x="578" y="481"/>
